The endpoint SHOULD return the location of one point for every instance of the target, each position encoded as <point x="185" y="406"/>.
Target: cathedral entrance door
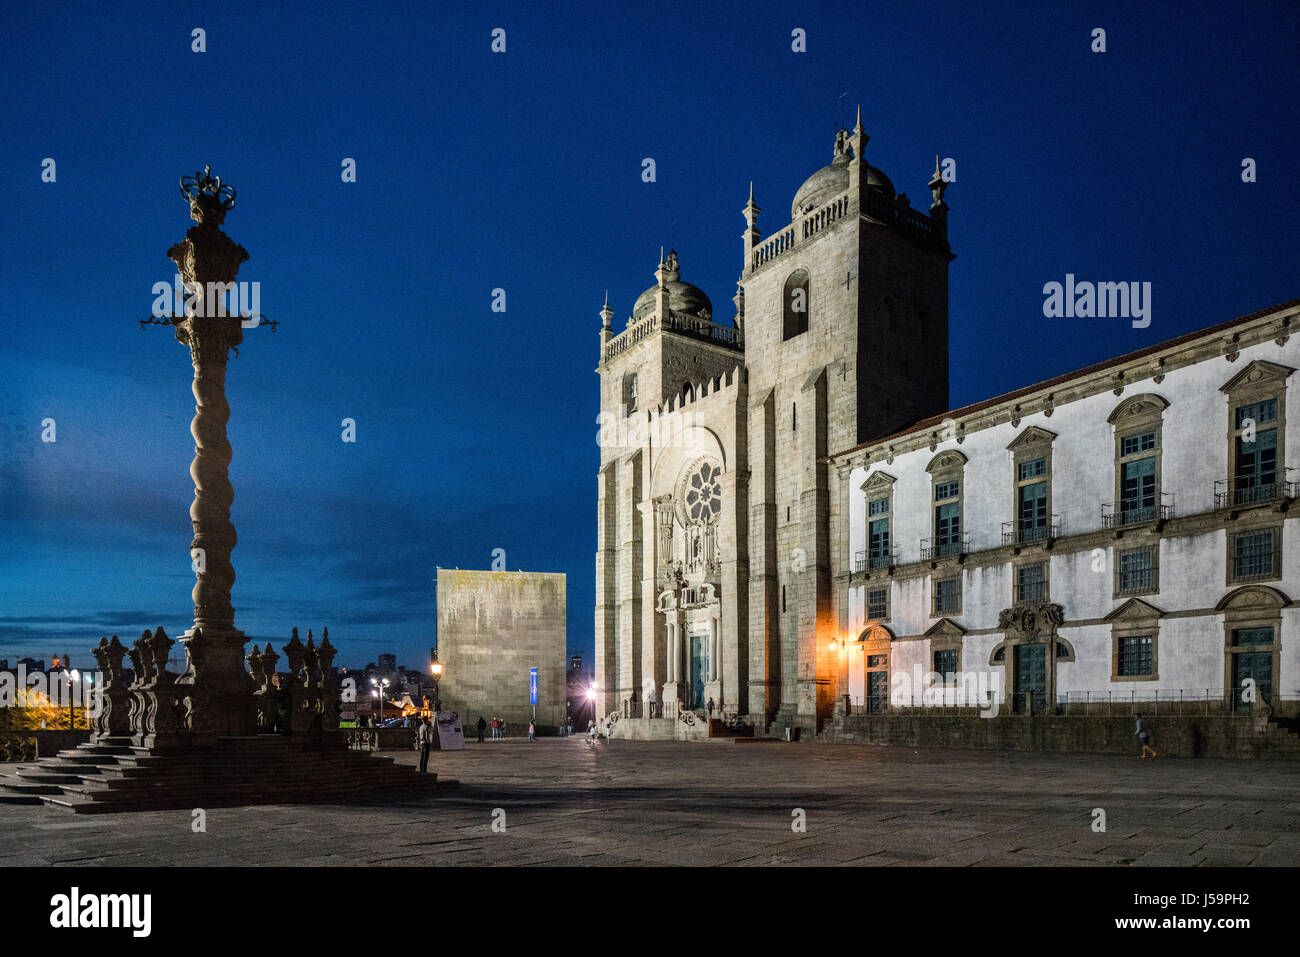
<point x="699" y="669"/>
<point x="1031" y="677"/>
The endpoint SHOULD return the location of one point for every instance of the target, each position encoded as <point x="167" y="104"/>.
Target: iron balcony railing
<point x="1024" y="533"/>
<point x="869" y="561"/>
<point x="1234" y="494"/>
<point x="936" y="548"/>
<point x="1129" y="514"/>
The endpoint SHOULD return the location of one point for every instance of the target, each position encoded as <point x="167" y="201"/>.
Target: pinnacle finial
<point x="936" y="165"/>
<point x="857" y="128"/>
<point x="751" y="192"/>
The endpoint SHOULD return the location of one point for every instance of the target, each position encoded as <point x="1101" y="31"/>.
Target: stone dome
<point x="682" y="296"/>
<point x="830" y="181"/>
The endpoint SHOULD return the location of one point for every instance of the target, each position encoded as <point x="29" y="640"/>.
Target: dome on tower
<point x="830" y="181"/>
<point x="682" y="296"/>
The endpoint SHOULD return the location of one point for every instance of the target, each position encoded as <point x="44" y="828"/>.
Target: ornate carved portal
<point x="1029" y="657"/>
<point x="686" y="530"/>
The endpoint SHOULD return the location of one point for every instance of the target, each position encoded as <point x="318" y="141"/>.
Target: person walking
<point x="424" y="739"/>
<point x="481" y="725"/>
<point x="710" y="709"/>
<point x="532" y="730"/>
<point x="1144" y="736"/>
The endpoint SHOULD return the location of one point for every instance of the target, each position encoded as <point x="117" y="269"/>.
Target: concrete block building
<point x="792" y="522"/>
<point x="493" y="628"/>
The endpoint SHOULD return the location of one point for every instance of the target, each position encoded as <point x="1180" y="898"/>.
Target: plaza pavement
<point x="568" y="802"/>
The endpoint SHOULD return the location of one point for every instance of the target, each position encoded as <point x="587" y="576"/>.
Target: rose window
<point x="704" y="494"/>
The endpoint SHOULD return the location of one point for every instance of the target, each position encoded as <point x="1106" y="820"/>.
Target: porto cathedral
<point x="794" y="528"/>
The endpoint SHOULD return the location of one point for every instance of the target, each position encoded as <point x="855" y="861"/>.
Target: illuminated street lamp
<point x="591" y="696"/>
<point x="380" y="685"/>
<point x="435" y="669"/>
<point x="71" y="677"/>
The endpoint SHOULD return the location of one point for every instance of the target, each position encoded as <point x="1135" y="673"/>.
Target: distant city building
<point x="493" y="628"/>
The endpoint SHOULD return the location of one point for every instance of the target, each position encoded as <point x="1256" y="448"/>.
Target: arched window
<point x="630" y="392"/>
<point x="795" y="305"/>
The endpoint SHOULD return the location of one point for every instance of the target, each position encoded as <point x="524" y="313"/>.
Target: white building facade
<point x="1122" y="533"/>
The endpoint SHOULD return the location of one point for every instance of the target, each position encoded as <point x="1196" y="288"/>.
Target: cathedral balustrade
<point x="693" y="326"/>
<point x="775" y="246"/>
<point x="824" y="216"/>
<point x="631" y="336"/>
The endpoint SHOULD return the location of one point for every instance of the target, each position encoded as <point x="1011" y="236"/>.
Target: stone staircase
<point x="115" y="776"/>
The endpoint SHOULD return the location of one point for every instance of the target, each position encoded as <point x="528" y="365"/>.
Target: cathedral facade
<point x="793" y="527"/>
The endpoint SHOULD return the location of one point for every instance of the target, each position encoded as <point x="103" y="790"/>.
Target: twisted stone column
<point x="218" y="691"/>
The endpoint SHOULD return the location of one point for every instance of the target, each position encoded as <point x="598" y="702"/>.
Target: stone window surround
<point x="947" y="466"/>
<point x="1033" y="443"/>
<point x="1154" y="545"/>
<point x="799" y="276"/>
<point x="1132" y="619"/>
<point x="631" y="395"/>
<point x="866" y="601"/>
<point x="946" y="635"/>
<point x="877" y="485"/>
<point x="1047" y="580"/>
<point x="1137" y="414"/>
<point x="1260" y="380"/>
<point x="934" y="595"/>
<point x="1262" y="521"/>
<point x="1251" y="606"/>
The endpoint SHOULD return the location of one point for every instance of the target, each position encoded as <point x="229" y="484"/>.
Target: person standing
<point x="710" y="709"/>
<point x="532" y="730"/>
<point x="424" y="739"/>
<point x="481" y="725"/>
<point x="1144" y="736"/>
<point x="503" y="728"/>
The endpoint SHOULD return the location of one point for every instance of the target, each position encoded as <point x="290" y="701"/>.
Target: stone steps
<point x="228" y="772"/>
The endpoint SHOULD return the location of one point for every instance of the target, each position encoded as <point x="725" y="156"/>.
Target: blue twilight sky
<point x="476" y="430"/>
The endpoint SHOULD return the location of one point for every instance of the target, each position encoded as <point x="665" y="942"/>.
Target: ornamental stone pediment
<point x="1031" y="620"/>
<point x="1253" y="598"/>
<point x="1135" y="609"/>
<point x="1258" y="371"/>
<point x="1138" y="407"/>
<point x="945" y="628"/>
<point x="1034" y="435"/>
<point x="950" y="459"/>
<point x="878" y="481"/>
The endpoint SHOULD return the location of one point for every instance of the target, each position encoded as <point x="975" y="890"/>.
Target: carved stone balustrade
<point x="112" y="717"/>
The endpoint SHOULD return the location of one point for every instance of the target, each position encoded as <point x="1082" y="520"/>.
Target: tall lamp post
<point x="71" y="677"/>
<point x="435" y="669"/>
<point x="380" y="685"/>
